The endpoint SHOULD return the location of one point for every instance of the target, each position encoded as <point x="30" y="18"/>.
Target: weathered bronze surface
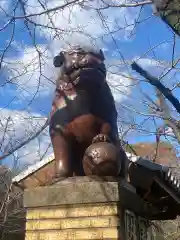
<point x="84" y="112"/>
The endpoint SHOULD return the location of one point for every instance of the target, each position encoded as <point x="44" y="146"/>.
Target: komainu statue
<point x="83" y="119"/>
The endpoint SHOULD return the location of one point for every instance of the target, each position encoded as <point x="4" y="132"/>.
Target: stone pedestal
<point x="84" y="208"/>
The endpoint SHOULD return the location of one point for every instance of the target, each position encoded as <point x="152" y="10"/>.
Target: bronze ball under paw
<point x="101" y="159"/>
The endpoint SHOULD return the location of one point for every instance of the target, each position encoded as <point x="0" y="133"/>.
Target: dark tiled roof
<point x="175" y="168"/>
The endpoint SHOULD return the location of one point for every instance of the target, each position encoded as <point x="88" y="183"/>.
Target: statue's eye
<point x="59" y="60"/>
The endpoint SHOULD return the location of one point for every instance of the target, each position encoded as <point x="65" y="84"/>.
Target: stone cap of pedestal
<point x="88" y="190"/>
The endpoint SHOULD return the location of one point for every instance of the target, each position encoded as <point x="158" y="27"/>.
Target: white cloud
<point x="120" y="86"/>
<point x="4" y="5"/>
<point x="152" y="65"/>
<point x="35" y="150"/>
<point x="32" y="72"/>
<point x="82" y="23"/>
<point x="157" y="67"/>
<point x="161" y="69"/>
<point x="16" y="127"/>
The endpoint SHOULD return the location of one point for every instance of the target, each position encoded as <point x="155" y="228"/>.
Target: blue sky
<point x="148" y="33"/>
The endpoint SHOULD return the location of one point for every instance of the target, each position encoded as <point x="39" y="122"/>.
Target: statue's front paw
<point x="101" y="138"/>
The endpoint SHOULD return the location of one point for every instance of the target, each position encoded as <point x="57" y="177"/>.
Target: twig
<point x="155" y="82"/>
<point x="26" y="141"/>
<point x="47" y="11"/>
<point x="136" y="4"/>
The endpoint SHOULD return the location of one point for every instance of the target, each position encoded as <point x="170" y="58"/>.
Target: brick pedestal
<point x="81" y="208"/>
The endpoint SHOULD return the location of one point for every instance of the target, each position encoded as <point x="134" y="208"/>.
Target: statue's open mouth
<point x="79" y="58"/>
<point x="78" y="65"/>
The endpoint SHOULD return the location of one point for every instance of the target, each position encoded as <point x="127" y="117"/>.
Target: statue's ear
<point x="58" y="60"/>
<point x="102" y="55"/>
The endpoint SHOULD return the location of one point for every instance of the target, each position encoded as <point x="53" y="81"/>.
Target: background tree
<point x="32" y="32"/>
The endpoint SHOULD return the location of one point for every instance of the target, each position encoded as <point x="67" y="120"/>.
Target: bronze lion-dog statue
<point x="83" y="120"/>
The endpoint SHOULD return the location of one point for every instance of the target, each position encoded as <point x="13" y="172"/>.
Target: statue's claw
<point x="101" y="138"/>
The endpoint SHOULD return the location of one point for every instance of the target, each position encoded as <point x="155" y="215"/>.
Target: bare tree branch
<point x="155" y="82"/>
<point x="23" y="143"/>
<point x="124" y="5"/>
<point x="61" y="7"/>
<point x="169" y="121"/>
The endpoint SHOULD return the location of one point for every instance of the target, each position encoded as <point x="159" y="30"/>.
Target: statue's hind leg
<point x="62" y="152"/>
